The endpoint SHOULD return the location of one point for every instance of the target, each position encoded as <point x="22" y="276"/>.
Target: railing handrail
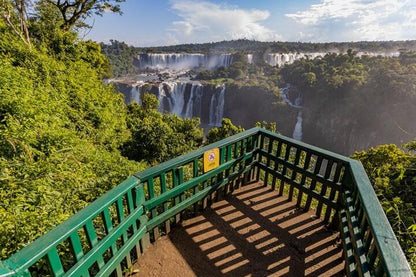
<point x="184" y="159"/>
<point x="41" y="246"/>
<point x="391" y="254"/>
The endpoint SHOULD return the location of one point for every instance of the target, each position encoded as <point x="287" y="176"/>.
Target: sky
<point x="167" y="22"/>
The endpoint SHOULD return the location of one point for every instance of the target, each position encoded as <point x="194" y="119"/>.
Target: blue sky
<point x="166" y="22"/>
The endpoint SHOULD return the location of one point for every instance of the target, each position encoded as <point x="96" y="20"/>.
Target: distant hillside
<point x="279" y="46"/>
<point x="121" y="55"/>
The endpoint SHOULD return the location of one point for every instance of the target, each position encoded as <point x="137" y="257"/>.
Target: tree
<point x="74" y="11"/>
<point x="227" y="129"/>
<point x="15" y="15"/>
<point x="157" y="137"/>
<point x="392" y="172"/>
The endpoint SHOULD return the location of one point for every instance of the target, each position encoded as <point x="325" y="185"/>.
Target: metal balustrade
<point x="110" y="234"/>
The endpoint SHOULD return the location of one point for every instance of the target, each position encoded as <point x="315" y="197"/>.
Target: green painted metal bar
<point x="55" y="263"/>
<point x="28" y="256"/>
<point x="76" y="246"/>
<point x="389" y="249"/>
<point x="188" y="202"/>
<point x="303" y="178"/>
<point x="93" y="240"/>
<point x="290" y="166"/>
<point x="90" y="258"/>
<point x="184" y="159"/>
<point x="150" y="204"/>
<point x="324" y="186"/>
<point x="313" y="194"/>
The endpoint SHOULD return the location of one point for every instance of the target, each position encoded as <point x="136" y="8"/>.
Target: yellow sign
<point x="211" y="159"/>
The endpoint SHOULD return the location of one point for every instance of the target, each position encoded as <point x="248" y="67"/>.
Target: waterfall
<point x="279" y="59"/>
<point x="250" y="58"/>
<point x="194" y="101"/>
<point x="177" y="96"/>
<point x="163" y="105"/>
<point x="297" y="132"/>
<point x="170" y="60"/>
<point x="216" y="108"/>
<point x="135" y="95"/>
<point x="190" y="99"/>
<point x="182" y="61"/>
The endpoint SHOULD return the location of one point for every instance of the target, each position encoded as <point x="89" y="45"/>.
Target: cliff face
<point x="244" y="105"/>
<point x="344" y="124"/>
<point x="247" y="105"/>
<point x="353" y="123"/>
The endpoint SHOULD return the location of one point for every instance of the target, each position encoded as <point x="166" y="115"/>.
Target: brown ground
<point x="251" y="233"/>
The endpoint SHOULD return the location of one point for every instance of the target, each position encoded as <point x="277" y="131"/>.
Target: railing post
<point x="140" y="199"/>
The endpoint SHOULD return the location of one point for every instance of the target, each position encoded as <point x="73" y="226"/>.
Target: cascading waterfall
<point x="279" y="59"/>
<point x="182" y="61"/>
<point x="188" y="100"/>
<point x="161" y="96"/>
<point x="135" y="94"/>
<point x="297" y="132"/>
<point x="177" y="97"/>
<point x="216" y="110"/>
<point x="249" y="58"/>
<point x="194" y="105"/>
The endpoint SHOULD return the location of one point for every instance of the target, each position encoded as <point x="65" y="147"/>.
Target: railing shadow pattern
<point x="254" y="232"/>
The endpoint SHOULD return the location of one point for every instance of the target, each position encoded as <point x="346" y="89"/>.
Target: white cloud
<point x="209" y="22"/>
<point x="361" y="19"/>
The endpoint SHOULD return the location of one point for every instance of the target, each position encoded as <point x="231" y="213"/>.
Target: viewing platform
<point x="256" y="203"/>
<point x="252" y="232"/>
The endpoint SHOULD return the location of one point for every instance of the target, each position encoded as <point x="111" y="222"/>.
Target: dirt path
<point x="251" y="233"/>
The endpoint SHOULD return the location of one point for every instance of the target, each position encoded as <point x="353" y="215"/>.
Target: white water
<point x="250" y="58"/>
<point x="194" y="101"/>
<point x="172" y="99"/>
<point x="177" y="93"/>
<point x="182" y="61"/>
<point x="135" y="94"/>
<point x="216" y="110"/>
<point x="279" y="59"/>
<point x="297" y="132"/>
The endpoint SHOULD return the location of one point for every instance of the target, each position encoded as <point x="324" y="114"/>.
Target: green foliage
<point x="392" y="172"/>
<point x="120" y="56"/>
<point x="60" y="131"/>
<point x="272" y="126"/>
<point x="259" y="47"/>
<point x="157" y="137"/>
<point x="352" y="99"/>
<point x="227" y="129"/>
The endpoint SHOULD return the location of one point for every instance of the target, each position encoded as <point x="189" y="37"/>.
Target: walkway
<point x="254" y="232"/>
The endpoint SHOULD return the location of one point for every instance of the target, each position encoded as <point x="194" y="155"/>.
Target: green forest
<point x="66" y="137"/>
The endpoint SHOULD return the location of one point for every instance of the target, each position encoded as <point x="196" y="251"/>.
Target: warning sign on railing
<point x="211" y="159"/>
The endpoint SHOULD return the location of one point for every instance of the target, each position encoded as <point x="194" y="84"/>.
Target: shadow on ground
<point x="253" y="232"/>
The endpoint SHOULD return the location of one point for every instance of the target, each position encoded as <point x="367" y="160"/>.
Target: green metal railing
<point x="109" y="235"/>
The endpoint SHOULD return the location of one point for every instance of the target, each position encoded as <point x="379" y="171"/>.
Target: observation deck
<point x="271" y="206"/>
